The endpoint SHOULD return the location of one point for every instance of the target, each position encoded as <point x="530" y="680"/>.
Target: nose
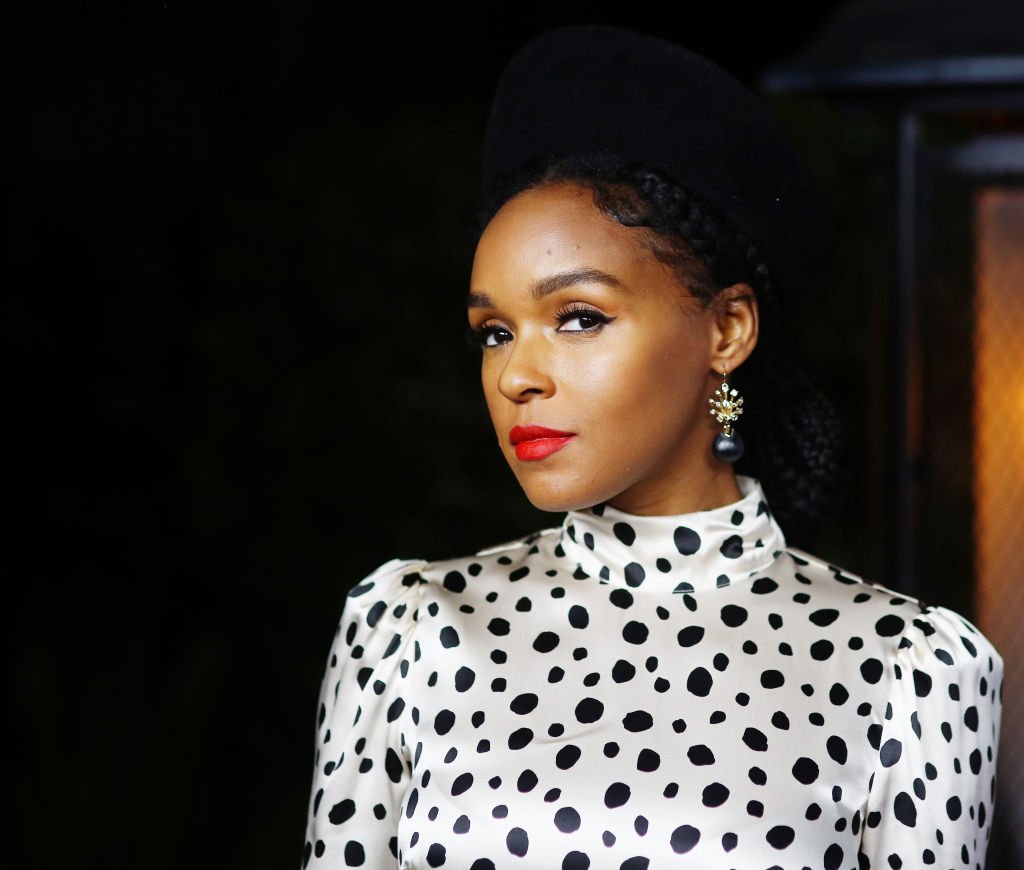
<point x="526" y="373"/>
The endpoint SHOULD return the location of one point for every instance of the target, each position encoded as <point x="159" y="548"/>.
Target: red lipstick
<point x="537" y="442"/>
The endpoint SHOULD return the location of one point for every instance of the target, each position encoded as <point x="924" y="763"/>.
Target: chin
<point x="559" y="498"/>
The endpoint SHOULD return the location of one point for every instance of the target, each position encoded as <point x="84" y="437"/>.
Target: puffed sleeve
<point x="933" y="787"/>
<point x="361" y="765"/>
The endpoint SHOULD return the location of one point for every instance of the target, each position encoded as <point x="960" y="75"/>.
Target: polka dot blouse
<point x="629" y="692"/>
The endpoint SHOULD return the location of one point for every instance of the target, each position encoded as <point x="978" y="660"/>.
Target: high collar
<point x="679" y="552"/>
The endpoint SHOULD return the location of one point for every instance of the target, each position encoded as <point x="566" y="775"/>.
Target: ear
<point x="735" y="327"/>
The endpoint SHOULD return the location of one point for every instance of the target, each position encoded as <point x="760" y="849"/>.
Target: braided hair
<point x="792" y="431"/>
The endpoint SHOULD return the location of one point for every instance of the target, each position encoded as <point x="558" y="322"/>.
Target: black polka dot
<point x="904" y="809"/>
<point x="834" y="857"/>
<point x="498" y="626"/>
<point x="922" y="683"/>
<point x="638" y="720"/>
<point x="623" y="671"/>
<point x="871" y="670"/>
<point x="690" y="636"/>
<point x="546" y="641"/>
<point x="648" y="760"/>
<point x="621" y="598"/>
<point x="355" y="855"/>
<point x="567" y="820"/>
<point x="699" y="682"/>
<point x="578" y="616"/>
<point x="889" y="625"/>
<point x="732" y="547"/>
<point x="805" y="770"/>
<point x="837" y="749"/>
<point x="634" y="574"/>
<point x="700" y="754"/>
<point x="616" y="795"/>
<point x="625" y="533"/>
<point x="971" y="718"/>
<point x="567" y="756"/>
<point x="524" y="703"/>
<point x="589" y="710"/>
<point x="714" y="795"/>
<point x="890" y="752"/>
<point x="455" y="581"/>
<point x="635" y="632"/>
<point x="733" y="615"/>
<point x="780" y="836"/>
<point x="687" y="541"/>
<point x="444" y="721"/>
<point x="526" y="782"/>
<point x="821" y="650"/>
<point x="838" y="694"/>
<point x="684" y="838"/>
<point x="755" y="739"/>
<point x="341" y="812"/>
<point x="520" y="738"/>
<point x="518" y="842"/>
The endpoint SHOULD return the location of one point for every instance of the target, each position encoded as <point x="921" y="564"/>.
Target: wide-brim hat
<point x="584" y="89"/>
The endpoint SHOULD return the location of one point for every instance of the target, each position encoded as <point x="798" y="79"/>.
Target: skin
<point x="585" y="331"/>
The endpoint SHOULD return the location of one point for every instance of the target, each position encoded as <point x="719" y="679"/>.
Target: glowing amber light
<point x="999" y="461"/>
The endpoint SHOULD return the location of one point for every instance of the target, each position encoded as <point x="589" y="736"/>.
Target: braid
<point x="792" y="431"/>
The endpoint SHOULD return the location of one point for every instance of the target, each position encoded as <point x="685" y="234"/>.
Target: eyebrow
<point x="551" y="284"/>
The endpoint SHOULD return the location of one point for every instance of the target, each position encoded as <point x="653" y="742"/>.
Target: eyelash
<point x="480" y="335"/>
<point x="575" y="310"/>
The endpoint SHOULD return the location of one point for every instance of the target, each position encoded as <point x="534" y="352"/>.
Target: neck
<point x="711" y="486"/>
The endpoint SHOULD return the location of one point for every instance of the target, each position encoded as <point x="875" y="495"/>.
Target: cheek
<point x="661" y="384"/>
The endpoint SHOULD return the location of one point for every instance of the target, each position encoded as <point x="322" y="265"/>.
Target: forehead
<point x="559" y="226"/>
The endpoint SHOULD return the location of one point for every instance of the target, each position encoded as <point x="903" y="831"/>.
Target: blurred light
<point x="999" y="460"/>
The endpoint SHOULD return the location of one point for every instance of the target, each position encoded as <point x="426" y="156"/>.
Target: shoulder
<point x="389" y="579"/>
<point x="404" y="582"/>
<point x="915" y="630"/>
<point x="384" y="601"/>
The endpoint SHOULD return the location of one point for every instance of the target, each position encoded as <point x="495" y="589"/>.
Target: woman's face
<point x="591" y="341"/>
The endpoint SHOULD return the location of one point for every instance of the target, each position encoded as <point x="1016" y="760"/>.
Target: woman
<point x="659" y="679"/>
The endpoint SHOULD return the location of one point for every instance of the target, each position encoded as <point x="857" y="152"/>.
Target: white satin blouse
<point x="637" y="692"/>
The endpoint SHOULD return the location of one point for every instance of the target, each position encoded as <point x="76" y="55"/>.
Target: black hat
<point x="598" y="89"/>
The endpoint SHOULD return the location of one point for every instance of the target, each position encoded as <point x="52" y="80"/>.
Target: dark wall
<point x="240" y="244"/>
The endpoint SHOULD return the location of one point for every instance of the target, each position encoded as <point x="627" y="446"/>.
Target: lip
<point x="538" y="442"/>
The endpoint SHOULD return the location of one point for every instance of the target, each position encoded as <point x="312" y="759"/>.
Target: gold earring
<point x="726" y="407"/>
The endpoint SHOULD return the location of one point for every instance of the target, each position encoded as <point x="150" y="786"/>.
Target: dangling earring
<point x="726" y="407"/>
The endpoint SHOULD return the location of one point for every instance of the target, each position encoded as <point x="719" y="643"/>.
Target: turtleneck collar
<point x="679" y="552"/>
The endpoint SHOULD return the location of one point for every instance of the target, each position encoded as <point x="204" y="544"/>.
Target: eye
<point x="488" y="335"/>
<point x="581" y="318"/>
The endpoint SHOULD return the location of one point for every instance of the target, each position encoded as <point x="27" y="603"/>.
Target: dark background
<point x="239" y="241"/>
